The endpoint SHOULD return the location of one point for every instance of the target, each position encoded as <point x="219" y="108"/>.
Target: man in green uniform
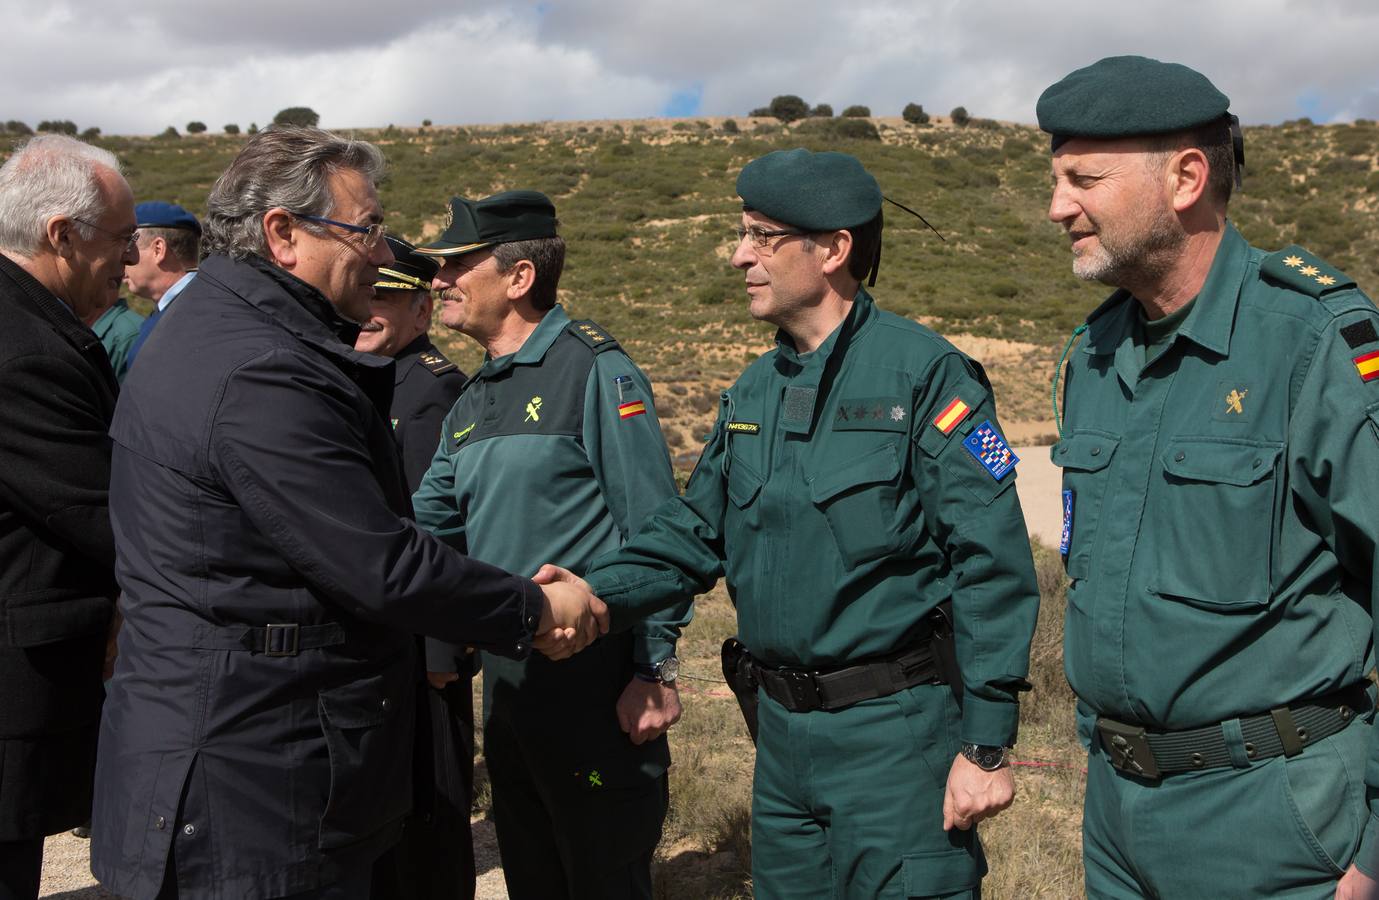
<point x="553" y="452"/>
<point x="855" y="480"/>
<point x="117" y="327"/>
<point x="1219" y="456"/>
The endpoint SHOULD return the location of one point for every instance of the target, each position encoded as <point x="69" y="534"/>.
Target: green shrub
<point x="297" y="115"/>
<point x="857" y="112"/>
<point x="959" y="116"/>
<point x="58" y="126"/>
<point x="90" y="134"/>
<point x="253" y="127"/>
<point x="729" y="126"/>
<point x="14" y="126"/>
<point x="196" y="128"/>
<point x="761" y="112"/>
<point x="841" y="129"/>
<point x="914" y="114"/>
<point x="788" y="108"/>
<point x="821" y="111"/>
<point x="230" y="128"/>
<point x="170" y="133"/>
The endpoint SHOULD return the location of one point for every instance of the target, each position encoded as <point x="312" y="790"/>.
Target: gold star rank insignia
<point x="1309" y="271"/>
<point x="1326" y="280"/>
<point x="1293" y="262"/>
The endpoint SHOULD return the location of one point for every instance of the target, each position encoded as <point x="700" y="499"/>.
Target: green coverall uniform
<point x="554" y="454"/>
<point x="841" y="515"/>
<point x="117" y="328"/>
<point x="1221" y="546"/>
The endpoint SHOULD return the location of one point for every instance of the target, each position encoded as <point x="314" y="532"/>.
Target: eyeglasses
<point x="128" y="239"/>
<point x="372" y="233"/>
<point x="761" y="237"/>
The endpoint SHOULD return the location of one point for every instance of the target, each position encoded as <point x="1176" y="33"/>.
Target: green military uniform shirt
<point x="551" y="454"/>
<point x="1221" y="537"/>
<point x="842" y="513"/>
<point x="117" y="328"/>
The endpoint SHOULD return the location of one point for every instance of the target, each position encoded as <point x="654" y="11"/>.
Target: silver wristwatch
<point x="988" y="759"/>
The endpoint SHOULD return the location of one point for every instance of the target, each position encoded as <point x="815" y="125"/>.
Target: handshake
<point x="573" y="617"/>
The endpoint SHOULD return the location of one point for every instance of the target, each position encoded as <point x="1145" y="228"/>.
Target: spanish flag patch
<point x="952" y="414"/>
<point x="1367" y="365"/>
<point x="633" y="408"/>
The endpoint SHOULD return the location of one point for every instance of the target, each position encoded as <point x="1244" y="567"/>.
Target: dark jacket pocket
<point x="942" y="873"/>
<point x="1084" y="458"/>
<point x="1213" y="517"/>
<point x="368" y="729"/>
<point x="858" y="499"/>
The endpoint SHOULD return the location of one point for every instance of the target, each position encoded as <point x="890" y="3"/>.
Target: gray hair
<point x="50" y="175"/>
<point x="281" y="166"/>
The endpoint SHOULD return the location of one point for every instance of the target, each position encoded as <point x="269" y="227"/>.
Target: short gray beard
<point x="1144" y="259"/>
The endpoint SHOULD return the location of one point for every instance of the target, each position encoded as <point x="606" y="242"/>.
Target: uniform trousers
<point x="21" y="868"/>
<point x="848" y="803"/>
<point x="1279" y="827"/>
<point x="603" y="838"/>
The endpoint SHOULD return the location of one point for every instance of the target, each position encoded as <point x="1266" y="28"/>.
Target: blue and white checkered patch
<point x="1066" y="541"/>
<point x="991" y="450"/>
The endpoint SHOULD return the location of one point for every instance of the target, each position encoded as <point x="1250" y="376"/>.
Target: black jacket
<point x="255" y="482"/>
<point x="57" y="557"/>
<point x="425" y="387"/>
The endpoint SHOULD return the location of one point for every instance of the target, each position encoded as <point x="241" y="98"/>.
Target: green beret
<point x="500" y="219"/>
<point x="409" y="270"/>
<point x="1128" y="96"/>
<point x="812" y="191"/>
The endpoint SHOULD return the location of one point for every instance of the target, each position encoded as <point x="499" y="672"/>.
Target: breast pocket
<point x="858" y="499"/>
<point x="1213" y="515"/>
<point x="1085" y="459"/>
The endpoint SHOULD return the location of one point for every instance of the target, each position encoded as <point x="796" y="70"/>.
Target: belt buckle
<point x="1128" y="748"/>
<point x="804" y="690"/>
<point x="281" y="640"/>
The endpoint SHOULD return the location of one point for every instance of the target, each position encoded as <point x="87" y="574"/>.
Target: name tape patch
<point x="991" y="450"/>
<point x="744" y="427"/>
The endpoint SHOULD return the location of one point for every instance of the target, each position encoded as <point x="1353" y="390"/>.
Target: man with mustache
<point x="1218" y="454"/>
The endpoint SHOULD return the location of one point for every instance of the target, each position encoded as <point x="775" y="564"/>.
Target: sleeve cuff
<point x="989" y="723"/>
<point x="1367" y="857"/>
<point x="648" y="650"/>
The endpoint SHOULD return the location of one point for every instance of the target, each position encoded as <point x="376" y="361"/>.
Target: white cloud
<point x="140" y="65"/>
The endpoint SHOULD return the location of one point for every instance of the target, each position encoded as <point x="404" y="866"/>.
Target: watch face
<point x="669" y="669"/>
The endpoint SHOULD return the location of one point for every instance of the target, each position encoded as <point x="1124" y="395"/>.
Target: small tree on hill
<point x="914" y="114"/>
<point x="857" y="112"/>
<point x="58" y="126"/>
<point x="253" y="127"/>
<point x="170" y="133"/>
<point x="90" y="134"/>
<point x="14" y="126"/>
<point x="232" y="128"/>
<point x="196" y="127"/>
<point x="788" y="108"/>
<point x="822" y="111"/>
<point x="959" y="116"/>
<point x="729" y="126"/>
<point x="297" y="115"/>
<point x="761" y="112"/>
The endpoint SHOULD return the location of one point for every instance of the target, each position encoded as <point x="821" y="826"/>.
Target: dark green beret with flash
<point x="500" y="219"/>
<point x="812" y="191"/>
<point x="1128" y="96"/>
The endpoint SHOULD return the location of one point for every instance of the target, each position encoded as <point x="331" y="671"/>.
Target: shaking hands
<point x="573" y="616"/>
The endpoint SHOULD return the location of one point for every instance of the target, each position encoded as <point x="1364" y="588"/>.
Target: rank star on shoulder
<point x="897" y="414"/>
<point x="1293" y="262"/>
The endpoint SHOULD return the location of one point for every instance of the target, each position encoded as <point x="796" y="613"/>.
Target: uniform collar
<point x="106" y="321"/>
<point x="1111" y="327"/>
<point x="46" y="303"/>
<point x="534" y="348"/>
<point x="811" y="375"/>
<point x="863" y="311"/>
<point x="408" y="355"/>
<point x="171" y="293"/>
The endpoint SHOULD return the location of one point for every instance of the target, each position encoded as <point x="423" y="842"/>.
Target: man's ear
<point x="280" y="234"/>
<point x="1187" y="174"/>
<point x="158" y="249"/>
<point x="521" y="278"/>
<point x="59" y="232"/>
<point x="837" y="249"/>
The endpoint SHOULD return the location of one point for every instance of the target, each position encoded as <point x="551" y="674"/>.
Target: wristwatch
<point x="663" y="672"/>
<point x="988" y="759"/>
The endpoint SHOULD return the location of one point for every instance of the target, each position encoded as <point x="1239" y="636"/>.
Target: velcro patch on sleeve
<point x="1357" y="334"/>
<point x="990" y="450"/>
<point x="952" y="415"/>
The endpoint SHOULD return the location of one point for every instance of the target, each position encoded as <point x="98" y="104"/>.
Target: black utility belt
<point x="806" y="690"/>
<point x="1284" y="731"/>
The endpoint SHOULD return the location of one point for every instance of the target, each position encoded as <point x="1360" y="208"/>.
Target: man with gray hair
<point x="257" y="738"/>
<point x="66" y="235"/>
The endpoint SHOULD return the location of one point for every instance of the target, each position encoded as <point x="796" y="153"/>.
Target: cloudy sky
<point x="137" y="66"/>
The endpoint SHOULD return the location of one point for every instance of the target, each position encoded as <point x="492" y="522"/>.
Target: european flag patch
<point x="991" y="450"/>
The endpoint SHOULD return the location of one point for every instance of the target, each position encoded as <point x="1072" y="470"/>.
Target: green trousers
<point x="849" y="803"/>
<point x="1274" y="828"/>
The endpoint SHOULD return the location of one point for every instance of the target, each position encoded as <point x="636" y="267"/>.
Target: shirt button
<point x="386" y="704"/>
<point x="1096" y="451"/>
<point x="492" y="400"/>
<point x="161" y="823"/>
<point x="520" y="647"/>
<point x="1062" y="451"/>
<point x="1180" y="457"/>
<point x="189" y="829"/>
<point x="1257" y="463"/>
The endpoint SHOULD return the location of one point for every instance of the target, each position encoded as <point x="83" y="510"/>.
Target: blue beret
<point x="813" y="191"/>
<point x="1128" y="96"/>
<point x="160" y="214"/>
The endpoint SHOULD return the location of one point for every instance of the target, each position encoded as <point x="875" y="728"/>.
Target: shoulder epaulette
<point x="1295" y="268"/>
<point x="437" y="363"/>
<point x="591" y="334"/>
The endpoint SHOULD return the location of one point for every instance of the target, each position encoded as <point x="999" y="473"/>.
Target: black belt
<point x="270" y="640"/>
<point x="1284" y="731"/>
<point x="805" y="690"/>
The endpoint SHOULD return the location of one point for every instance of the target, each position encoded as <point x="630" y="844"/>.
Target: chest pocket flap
<point x="879" y="465"/>
<point x="1084" y="452"/>
<point x="743" y="483"/>
<point x="1239" y="463"/>
<point x="858" y="500"/>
